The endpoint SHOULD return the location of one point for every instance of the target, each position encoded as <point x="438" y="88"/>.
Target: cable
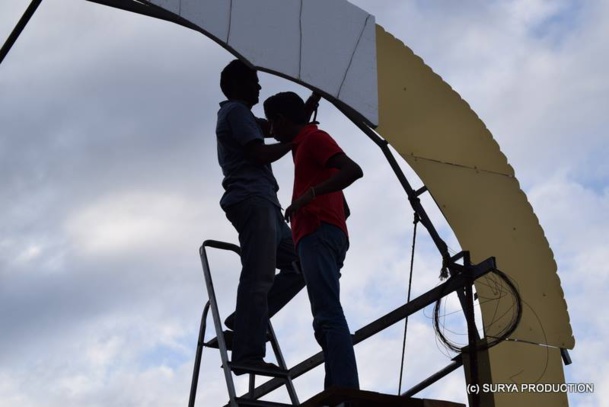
<point x="414" y="240"/>
<point x="510" y="327"/>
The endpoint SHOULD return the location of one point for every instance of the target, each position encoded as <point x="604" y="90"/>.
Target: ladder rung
<point x="262" y="371"/>
<point x="228" y="338"/>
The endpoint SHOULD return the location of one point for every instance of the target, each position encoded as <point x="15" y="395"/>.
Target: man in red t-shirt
<point x="321" y="171"/>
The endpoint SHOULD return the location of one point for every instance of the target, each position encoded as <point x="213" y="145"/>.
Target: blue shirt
<point x="236" y="127"/>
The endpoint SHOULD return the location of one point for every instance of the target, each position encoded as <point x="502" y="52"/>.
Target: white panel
<point x="267" y="33"/>
<point x="331" y="29"/>
<point x="326" y="44"/>
<point x="360" y="88"/>
<point x="213" y="16"/>
<point x="169" y="5"/>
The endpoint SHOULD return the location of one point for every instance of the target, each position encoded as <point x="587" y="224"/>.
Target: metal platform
<point x="338" y="397"/>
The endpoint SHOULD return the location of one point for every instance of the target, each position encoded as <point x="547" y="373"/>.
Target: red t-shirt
<point x="312" y="150"/>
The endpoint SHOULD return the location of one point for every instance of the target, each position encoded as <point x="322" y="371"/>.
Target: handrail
<point x="216" y="244"/>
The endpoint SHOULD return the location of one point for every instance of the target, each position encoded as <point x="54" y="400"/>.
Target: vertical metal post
<point x="195" y="372"/>
<point x="252" y="385"/>
<point x="218" y="325"/>
<point x="29" y="12"/>
<point x="472" y="332"/>
<point x="413" y="196"/>
<point x="282" y="365"/>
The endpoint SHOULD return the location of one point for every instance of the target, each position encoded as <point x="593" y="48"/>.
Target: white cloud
<point x="110" y="183"/>
<point x="132" y="222"/>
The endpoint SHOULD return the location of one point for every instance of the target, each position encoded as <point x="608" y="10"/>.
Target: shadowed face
<point x="248" y="89"/>
<point x="279" y="130"/>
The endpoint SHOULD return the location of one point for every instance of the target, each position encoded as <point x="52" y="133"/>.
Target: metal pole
<point x="472" y="332"/>
<point x="19" y="28"/>
<point x="434" y="378"/>
<point x="281" y="362"/>
<point x="216" y="314"/>
<point x="196" y="369"/>
<point x="454" y="283"/>
<point x="147" y="9"/>
<point x="413" y="196"/>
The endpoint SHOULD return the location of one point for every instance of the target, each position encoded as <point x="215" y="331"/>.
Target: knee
<point x="255" y="287"/>
<point x="331" y="321"/>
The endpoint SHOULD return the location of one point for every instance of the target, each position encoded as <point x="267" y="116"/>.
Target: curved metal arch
<point x="379" y="81"/>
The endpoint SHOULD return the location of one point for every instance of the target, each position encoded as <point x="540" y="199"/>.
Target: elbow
<point x="256" y="153"/>
<point x="358" y="172"/>
<point x="353" y="172"/>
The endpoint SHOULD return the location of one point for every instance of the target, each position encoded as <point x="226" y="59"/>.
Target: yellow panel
<point x="456" y="157"/>
<point x="520" y="374"/>
<point x="491" y="217"/>
<point x="423" y="117"/>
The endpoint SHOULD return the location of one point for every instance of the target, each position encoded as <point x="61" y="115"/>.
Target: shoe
<point x="229" y="322"/>
<point x="228" y="340"/>
<point x="257" y="366"/>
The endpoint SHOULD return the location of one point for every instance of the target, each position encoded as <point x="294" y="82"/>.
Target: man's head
<point x="286" y="113"/>
<point x="239" y="81"/>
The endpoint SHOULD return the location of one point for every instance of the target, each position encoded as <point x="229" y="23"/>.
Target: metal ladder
<point x="221" y="340"/>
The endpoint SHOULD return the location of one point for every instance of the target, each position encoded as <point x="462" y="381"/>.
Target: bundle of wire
<point x="503" y="334"/>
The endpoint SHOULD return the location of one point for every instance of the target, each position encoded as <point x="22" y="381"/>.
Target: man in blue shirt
<point x="251" y="205"/>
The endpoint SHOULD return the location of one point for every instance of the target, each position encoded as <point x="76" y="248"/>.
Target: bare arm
<point x="261" y="153"/>
<point x="265" y="126"/>
<point x="348" y="172"/>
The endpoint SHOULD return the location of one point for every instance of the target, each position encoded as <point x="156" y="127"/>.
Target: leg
<point x="255" y="221"/>
<point x="321" y="255"/>
<point x="289" y="281"/>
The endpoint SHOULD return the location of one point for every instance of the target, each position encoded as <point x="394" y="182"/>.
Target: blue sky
<point x="110" y="184"/>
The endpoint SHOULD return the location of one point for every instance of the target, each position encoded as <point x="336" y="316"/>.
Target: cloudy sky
<point x="109" y="184"/>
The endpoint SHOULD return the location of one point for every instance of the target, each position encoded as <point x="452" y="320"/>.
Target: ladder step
<point x="241" y="401"/>
<point x="228" y="338"/>
<point x="271" y="371"/>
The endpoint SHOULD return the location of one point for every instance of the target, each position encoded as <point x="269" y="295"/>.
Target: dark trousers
<point x="321" y="257"/>
<point x="266" y="245"/>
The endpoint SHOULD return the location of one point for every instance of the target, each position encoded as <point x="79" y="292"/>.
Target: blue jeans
<point x="321" y="257"/>
<point x="266" y="244"/>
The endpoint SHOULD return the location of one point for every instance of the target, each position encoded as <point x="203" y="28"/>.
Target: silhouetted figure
<point x="318" y="215"/>
<point x="250" y="203"/>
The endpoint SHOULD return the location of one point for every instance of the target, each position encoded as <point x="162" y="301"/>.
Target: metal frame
<point x="453" y="284"/>
<point x="14" y="35"/>
<point x="465" y="274"/>
<point x="461" y="275"/>
<point x="450" y="265"/>
<point x="230" y="384"/>
<point x="200" y="345"/>
<point x="250" y="399"/>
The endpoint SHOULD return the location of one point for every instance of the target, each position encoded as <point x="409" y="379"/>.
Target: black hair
<point x="287" y="104"/>
<point x="233" y="74"/>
